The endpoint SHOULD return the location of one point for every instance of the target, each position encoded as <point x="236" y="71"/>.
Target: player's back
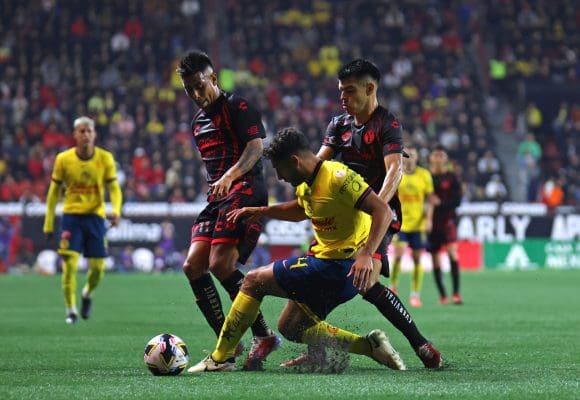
<point x="331" y="201"/>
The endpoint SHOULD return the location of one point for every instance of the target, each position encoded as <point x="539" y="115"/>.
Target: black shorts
<point x="211" y="224"/>
<point x="441" y="237"/>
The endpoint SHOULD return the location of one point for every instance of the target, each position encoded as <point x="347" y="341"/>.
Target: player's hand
<point x="114" y="220"/>
<point x="361" y="271"/>
<point x="248" y="214"/>
<point x="428" y="226"/>
<point x="48" y="236"/>
<point x="221" y="187"/>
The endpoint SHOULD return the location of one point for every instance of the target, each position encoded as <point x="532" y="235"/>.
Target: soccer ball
<point x="166" y="354"/>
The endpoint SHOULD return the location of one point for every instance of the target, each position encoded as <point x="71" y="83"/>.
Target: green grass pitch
<point x="517" y="337"/>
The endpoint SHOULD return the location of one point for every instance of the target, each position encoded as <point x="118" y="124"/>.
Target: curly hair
<point x="286" y="142"/>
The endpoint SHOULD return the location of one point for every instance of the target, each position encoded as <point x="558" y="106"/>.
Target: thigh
<point x="71" y="235"/>
<point x="321" y="285"/>
<point x="94" y="235"/>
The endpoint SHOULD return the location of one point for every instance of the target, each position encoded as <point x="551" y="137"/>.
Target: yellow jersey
<point x="332" y="202"/>
<point x="84" y="180"/>
<point x="413" y="190"/>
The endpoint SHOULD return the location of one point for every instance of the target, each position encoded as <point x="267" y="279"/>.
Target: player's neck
<point x="85" y="153"/>
<point x="364" y="116"/>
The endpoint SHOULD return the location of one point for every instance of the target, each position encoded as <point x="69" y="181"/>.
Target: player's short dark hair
<point x="193" y="62"/>
<point x="440" y="147"/>
<point x="360" y="69"/>
<point x="286" y="142"/>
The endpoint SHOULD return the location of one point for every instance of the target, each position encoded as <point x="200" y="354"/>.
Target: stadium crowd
<point x="115" y="61"/>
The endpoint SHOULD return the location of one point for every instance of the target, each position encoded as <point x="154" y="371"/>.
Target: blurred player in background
<point x="228" y="132"/>
<point x="368" y="139"/>
<point x="444" y="229"/>
<point x="418" y="200"/>
<point x="340" y="205"/>
<point x="84" y="171"/>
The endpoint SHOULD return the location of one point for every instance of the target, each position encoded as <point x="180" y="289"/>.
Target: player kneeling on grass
<point x="339" y="264"/>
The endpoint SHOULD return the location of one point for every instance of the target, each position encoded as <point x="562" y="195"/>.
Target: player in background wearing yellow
<point x="83" y="171"/>
<point x="417" y="202"/>
<point x="444" y="231"/>
<point x="340" y="205"/>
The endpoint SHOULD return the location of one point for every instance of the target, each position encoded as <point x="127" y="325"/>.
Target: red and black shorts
<point x="212" y="225"/>
<point x="441" y="236"/>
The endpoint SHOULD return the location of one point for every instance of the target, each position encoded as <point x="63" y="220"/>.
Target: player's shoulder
<point x="387" y="117"/>
<point x="66" y="154"/>
<point x="237" y="102"/>
<point x="423" y="171"/>
<point x="343" y="119"/>
<point x="102" y="153"/>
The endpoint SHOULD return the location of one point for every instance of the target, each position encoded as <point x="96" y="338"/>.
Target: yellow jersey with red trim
<point x="413" y="190"/>
<point x="332" y="202"/>
<point x="84" y="180"/>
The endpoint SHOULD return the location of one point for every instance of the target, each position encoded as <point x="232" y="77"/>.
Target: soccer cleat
<point x="71" y="318"/>
<point x="383" y="352"/>
<point x="443" y="300"/>
<point x="209" y="365"/>
<point x="415" y="301"/>
<point x="457" y="299"/>
<point x="302" y="359"/>
<point x="86" y="307"/>
<point x="430" y="356"/>
<point x="261" y="348"/>
<point x="315" y="354"/>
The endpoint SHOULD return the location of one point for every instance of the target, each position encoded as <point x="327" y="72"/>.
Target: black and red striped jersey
<point x="448" y="188"/>
<point x="364" y="147"/>
<point x="222" y="131"/>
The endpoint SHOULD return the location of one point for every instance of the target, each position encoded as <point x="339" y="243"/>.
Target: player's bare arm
<point x="430" y="202"/>
<point x="248" y="159"/>
<point x="288" y="211"/>
<point x="381" y="218"/>
<point x="394" y="173"/>
<point x="325" y="153"/>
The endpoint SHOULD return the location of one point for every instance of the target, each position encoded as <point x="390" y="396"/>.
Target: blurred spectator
<point x="495" y="189"/>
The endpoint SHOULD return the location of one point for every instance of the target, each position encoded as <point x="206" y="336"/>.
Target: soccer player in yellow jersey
<point x="417" y="202"/>
<point x="340" y="205"/>
<point x="83" y="171"/>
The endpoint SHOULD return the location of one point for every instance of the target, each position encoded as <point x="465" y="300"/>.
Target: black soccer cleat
<point x="71" y="318"/>
<point x="86" y="307"/>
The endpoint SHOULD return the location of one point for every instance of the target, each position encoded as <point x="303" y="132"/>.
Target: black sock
<point x="385" y="269"/>
<point x="232" y="284"/>
<point x="438" y="275"/>
<point x="208" y="301"/>
<point x="391" y="307"/>
<point x="455" y="275"/>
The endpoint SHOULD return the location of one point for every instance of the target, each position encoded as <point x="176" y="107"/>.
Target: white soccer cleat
<point x="209" y="365"/>
<point x="383" y="352"/>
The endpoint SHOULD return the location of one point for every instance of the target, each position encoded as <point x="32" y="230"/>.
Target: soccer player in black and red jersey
<point x="444" y="230"/>
<point x="228" y="133"/>
<point x="368" y="138"/>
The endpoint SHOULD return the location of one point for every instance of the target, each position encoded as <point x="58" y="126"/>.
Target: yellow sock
<point x="70" y="265"/>
<point x="94" y="275"/>
<point x="417" y="278"/>
<point x="323" y="333"/>
<point x="242" y="315"/>
<point x="395" y="273"/>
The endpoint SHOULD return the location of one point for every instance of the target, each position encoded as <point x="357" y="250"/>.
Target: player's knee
<point x="251" y="282"/>
<point x="192" y="270"/>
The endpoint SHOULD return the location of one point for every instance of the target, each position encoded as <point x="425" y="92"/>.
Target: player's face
<point x="202" y="88"/>
<point x="438" y="160"/>
<point x="354" y="95"/>
<point x="84" y="136"/>
<point x="287" y="171"/>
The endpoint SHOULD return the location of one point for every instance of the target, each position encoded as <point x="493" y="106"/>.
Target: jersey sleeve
<point x="331" y="138"/>
<point x="110" y="169"/>
<point x="247" y="120"/>
<point x="350" y="187"/>
<point x="391" y="136"/>
<point x="57" y="169"/>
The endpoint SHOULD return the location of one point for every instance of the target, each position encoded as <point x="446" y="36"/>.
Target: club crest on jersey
<point x="369" y="137"/>
<point x="346" y="135"/>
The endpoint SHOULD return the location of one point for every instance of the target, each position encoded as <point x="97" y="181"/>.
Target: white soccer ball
<point x="166" y="354"/>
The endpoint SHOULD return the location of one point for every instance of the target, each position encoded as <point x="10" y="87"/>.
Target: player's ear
<point x="214" y="78"/>
<point x="370" y="88"/>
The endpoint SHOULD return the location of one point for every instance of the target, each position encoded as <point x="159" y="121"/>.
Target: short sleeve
<point x="391" y="136"/>
<point x="247" y="120"/>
